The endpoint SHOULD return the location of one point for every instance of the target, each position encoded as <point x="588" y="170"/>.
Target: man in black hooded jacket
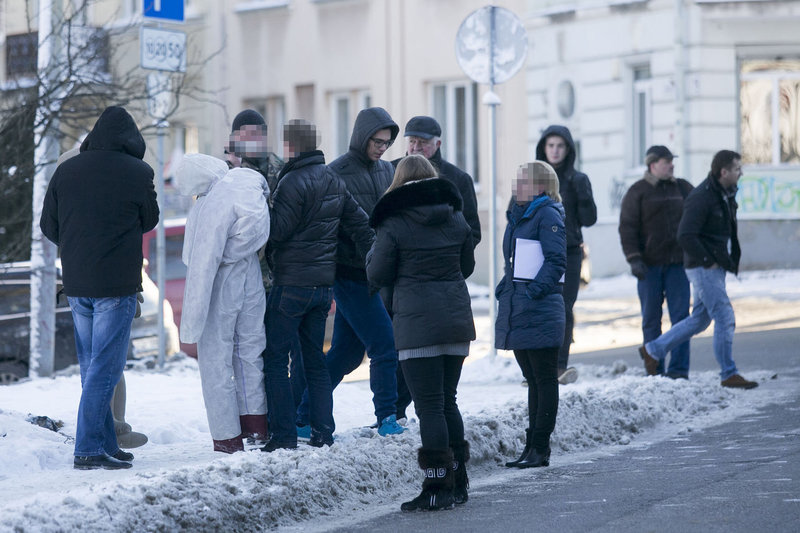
<point x="557" y="148"/>
<point x="97" y="206"/>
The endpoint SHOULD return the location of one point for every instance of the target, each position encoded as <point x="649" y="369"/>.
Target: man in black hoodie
<point x="361" y="321"/>
<point x="97" y="206"/>
<point x="557" y="148"/>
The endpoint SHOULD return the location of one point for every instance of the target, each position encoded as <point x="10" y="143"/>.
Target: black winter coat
<point x="311" y="207"/>
<point x="574" y="187"/>
<point x="423" y="251"/>
<point x="98" y="205"/>
<point x="648" y="220"/>
<point x="366" y="180"/>
<point x="531" y="314"/>
<point x="465" y="186"/>
<point x="708" y="223"/>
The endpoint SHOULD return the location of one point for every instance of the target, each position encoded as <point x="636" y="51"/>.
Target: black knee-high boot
<point x="460" y="479"/>
<point x="437" y="487"/>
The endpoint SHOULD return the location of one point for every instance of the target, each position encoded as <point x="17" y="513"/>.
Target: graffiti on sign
<point x="769" y="194"/>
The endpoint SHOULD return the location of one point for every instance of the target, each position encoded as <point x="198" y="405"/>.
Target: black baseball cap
<point x="656" y="152"/>
<point x="425" y="127"/>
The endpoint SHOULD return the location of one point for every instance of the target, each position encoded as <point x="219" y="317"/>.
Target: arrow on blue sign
<point x="171" y="10"/>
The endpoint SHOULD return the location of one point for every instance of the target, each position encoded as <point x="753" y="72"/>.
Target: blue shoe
<point x="304" y="432"/>
<point x="389" y="426"/>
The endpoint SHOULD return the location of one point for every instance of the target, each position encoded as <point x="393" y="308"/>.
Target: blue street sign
<point x="166" y="10"/>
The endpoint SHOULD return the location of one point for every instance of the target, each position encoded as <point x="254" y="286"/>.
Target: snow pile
<point x="255" y="490"/>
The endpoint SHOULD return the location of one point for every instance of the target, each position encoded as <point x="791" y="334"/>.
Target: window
<point x="770" y="112"/>
<point x="344" y="107"/>
<point x="640" y="113"/>
<point x="341" y="123"/>
<point x="276" y="118"/>
<point x="304" y="95"/>
<point x="455" y="107"/>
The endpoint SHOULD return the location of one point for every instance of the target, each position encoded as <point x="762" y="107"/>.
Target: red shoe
<point x="738" y="382"/>
<point x="650" y="362"/>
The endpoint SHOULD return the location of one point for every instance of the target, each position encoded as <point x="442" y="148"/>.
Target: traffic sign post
<point x="164" y="10"/>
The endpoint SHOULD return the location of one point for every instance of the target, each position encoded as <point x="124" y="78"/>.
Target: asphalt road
<point x="743" y="476"/>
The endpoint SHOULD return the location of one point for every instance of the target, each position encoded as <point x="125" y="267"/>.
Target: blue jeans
<point x="669" y="281"/>
<point x="102" y="333"/>
<point x="297" y="312"/>
<point x="710" y="303"/>
<point x="361" y="322"/>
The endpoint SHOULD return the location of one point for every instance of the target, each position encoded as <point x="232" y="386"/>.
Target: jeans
<point x="669" y="281"/>
<point x="539" y="368"/>
<point x="297" y="312"/>
<point x="433" y="382"/>
<point x="710" y="303"/>
<point x="572" y="281"/>
<point x="361" y="322"/>
<point x="102" y="334"/>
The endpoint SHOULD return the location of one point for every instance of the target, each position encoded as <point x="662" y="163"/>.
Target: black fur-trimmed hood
<point x="429" y="192"/>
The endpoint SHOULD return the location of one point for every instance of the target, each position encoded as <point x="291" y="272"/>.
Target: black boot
<point x="528" y="438"/>
<point x="460" y="479"/>
<point x="535" y="458"/>
<point x="437" y="487"/>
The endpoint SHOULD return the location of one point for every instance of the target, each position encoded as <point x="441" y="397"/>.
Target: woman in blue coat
<point x="530" y="316"/>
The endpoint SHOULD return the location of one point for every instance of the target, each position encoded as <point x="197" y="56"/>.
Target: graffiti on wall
<point x="769" y="194"/>
<point x="619" y="186"/>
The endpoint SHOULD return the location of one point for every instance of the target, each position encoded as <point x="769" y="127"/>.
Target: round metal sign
<point x="491" y="45"/>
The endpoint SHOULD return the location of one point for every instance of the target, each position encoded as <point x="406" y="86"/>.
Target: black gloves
<point x="638" y="269"/>
<point x="139" y="302"/>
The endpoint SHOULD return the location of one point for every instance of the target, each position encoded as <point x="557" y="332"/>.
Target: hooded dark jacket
<point x="574" y="187"/>
<point x="465" y="186"/>
<point x="366" y="180"/>
<point x="530" y="314"/>
<point x="708" y="223"/>
<point x="311" y="207"/>
<point x="423" y="250"/>
<point x="98" y="205"/>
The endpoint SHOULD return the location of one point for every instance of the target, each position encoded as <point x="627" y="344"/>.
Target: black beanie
<point x="248" y="117"/>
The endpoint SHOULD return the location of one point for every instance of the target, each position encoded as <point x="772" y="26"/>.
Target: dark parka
<point x="465" y="186"/>
<point x="311" y="208"/>
<point x="708" y="222"/>
<point x="649" y="217"/>
<point x="531" y="314"/>
<point x="574" y="187"/>
<point x="423" y="250"/>
<point x="366" y="180"/>
<point x="98" y="205"/>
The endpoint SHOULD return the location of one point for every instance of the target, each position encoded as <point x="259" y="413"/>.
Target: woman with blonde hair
<point x="421" y="256"/>
<point x="530" y="316"/>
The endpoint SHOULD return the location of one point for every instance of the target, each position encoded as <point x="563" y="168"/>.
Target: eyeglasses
<point x="379" y="143"/>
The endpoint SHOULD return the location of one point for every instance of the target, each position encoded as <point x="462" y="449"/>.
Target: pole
<point x="161" y="261"/>
<point x="681" y="108"/>
<point x="43" y="252"/>
<point x="492" y="100"/>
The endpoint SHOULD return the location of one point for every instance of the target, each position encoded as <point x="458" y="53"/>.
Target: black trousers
<point x="540" y="370"/>
<point x="572" y="281"/>
<point x="433" y="382"/>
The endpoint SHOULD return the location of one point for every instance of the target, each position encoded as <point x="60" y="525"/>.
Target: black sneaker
<point x="123" y="456"/>
<point x="273" y="445"/>
<point x="318" y="440"/>
<point x="93" y="462"/>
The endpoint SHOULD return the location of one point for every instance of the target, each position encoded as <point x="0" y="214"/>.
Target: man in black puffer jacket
<point x="311" y="206"/>
<point x="97" y="206"/>
<point x="557" y="148"/>
<point x="361" y="321"/>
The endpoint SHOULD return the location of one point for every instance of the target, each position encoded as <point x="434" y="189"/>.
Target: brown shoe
<point x="738" y="382"/>
<point x="650" y="362"/>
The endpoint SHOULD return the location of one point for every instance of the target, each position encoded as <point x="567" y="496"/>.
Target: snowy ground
<point x="178" y="483"/>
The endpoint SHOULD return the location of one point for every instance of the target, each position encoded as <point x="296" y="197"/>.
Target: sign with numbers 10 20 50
<point x="163" y="49"/>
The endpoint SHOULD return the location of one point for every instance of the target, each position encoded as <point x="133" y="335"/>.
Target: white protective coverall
<point x="224" y="300"/>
